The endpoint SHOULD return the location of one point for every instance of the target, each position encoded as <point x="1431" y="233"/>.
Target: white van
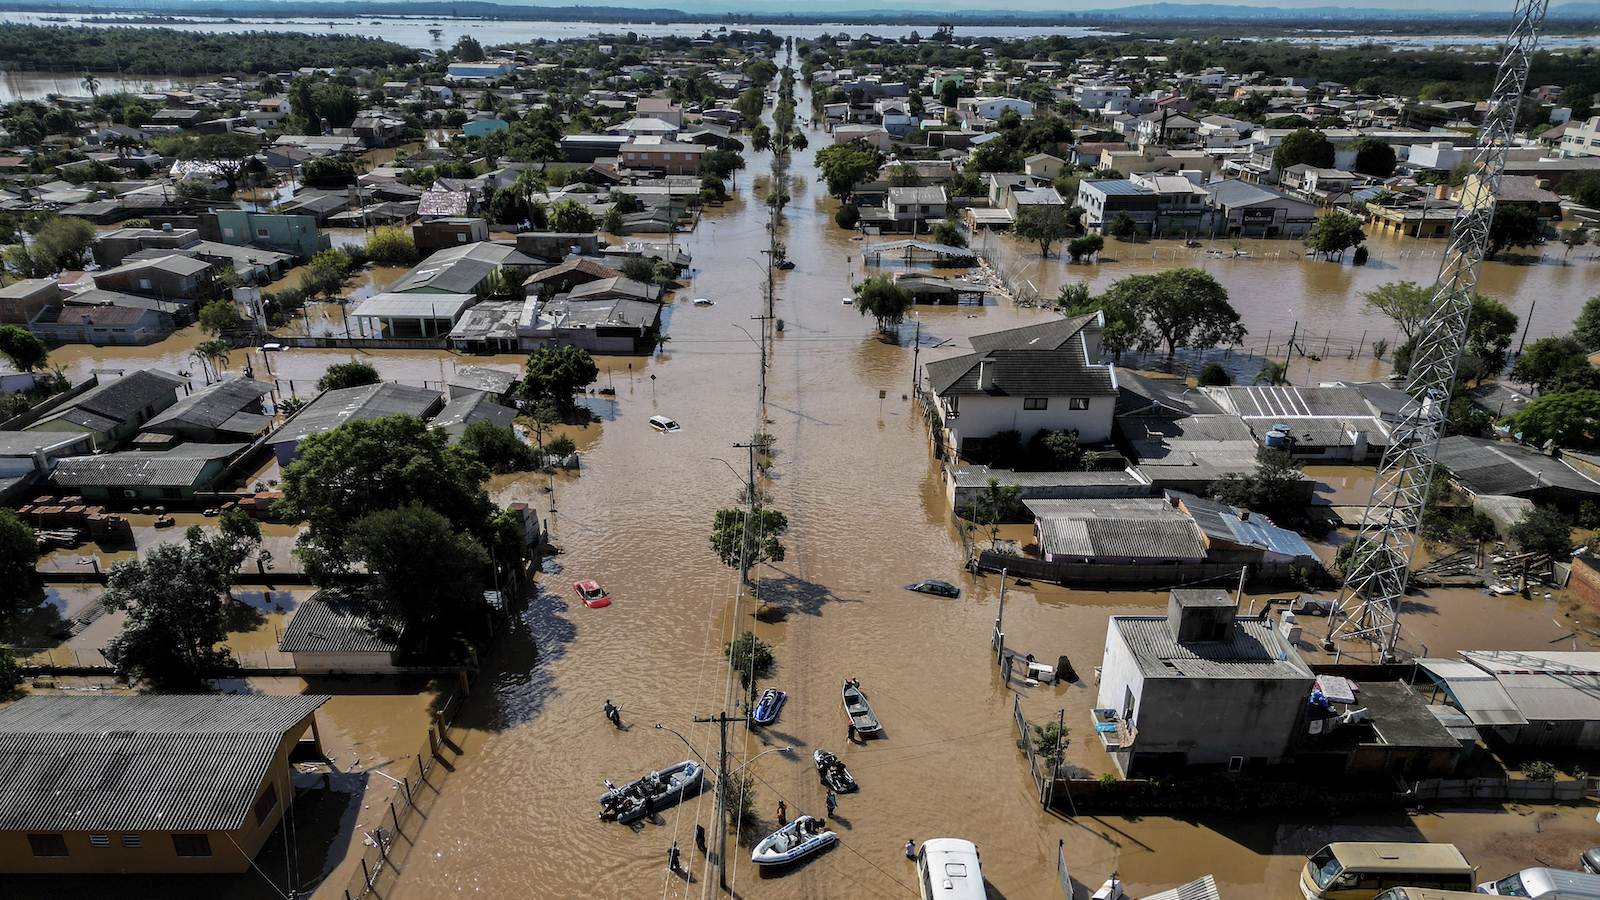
<point x="664" y="424"/>
<point x="947" y="869"/>
<point x="1545" y="884"/>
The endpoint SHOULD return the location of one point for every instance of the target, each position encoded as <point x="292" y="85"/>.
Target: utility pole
<point x="747" y="541"/>
<point x="719" y="860"/>
<point x="765" y="322"/>
<point x="916" y="351"/>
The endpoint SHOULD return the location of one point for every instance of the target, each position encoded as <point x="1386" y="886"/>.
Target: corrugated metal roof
<point x="1475" y="691"/>
<point x="370" y="401"/>
<point x="148" y="763"/>
<point x="424" y="305"/>
<point x="1203" y="888"/>
<point x="179" y="467"/>
<point x="1138" y="528"/>
<point x="1498" y="467"/>
<point x="211" y="407"/>
<point x="1253" y="650"/>
<point x="323" y="626"/>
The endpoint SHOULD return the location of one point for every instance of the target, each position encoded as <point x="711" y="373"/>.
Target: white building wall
<point x="985" y="416"/>
<point x="1119" y="673"/>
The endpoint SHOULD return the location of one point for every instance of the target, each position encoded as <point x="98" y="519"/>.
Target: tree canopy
<point x="1375" y="157"/>
<point x="219" y="316"/>
<point x="354" y="373"/>
<point x="843" y="166"/>
<point x="499" y="448"/>
<point x="1273" y="489"/>
<point x="1513" y="226"/>
<point x="737" y="535"/>
<point x="1586" y="330"/>
<point x="1335" y="233"/>
<point x="365" y="466"/>
<point x="881" y="298"/>
<point x="1179" y="308"/>
<point x="422" y="568"/>
<point x="555" y="374"/>
<point x="1543" y="530"/>
<point x="1303" y="145"/>
<point x="1555" y="365"/>
<point x="1571" y="419"/>
<point x="177" y="614"/>
<point x="23" y="348"/>
<point x="1044" y="225"/>
<point x="19" y="554"/>
<point x="1405" y="302"/>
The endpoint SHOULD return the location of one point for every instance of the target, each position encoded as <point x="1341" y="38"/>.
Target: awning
<point x="1475" y="691"/>
<point x="1199" y="889"/>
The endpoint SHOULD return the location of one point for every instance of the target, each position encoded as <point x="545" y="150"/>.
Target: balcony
<point x="1114" y="731"/>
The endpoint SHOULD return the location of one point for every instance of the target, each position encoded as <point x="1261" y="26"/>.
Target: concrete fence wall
<point x="1501" y="789"/>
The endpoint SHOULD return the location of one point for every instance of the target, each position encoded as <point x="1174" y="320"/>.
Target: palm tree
<point x="1272" y="373"/>
<point x="92" y="85"/>
<point x="124" y="144"/>
<point x="212" y="355"/>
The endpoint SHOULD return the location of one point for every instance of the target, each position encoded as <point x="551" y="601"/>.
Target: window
<point x="227" y="232"/>
<point x="1035" y="402"/>
<point x="261" y="232"/>
<point x="191" y="845"/>
<point x="1077" y="403"/>
<point x="99" y="840"/>
<point x="131" y="841"/>
<point x="48" y="844"/>
<point x="144" y="284"/>
<point x="461" y="238"/>
<point x="266" y="803"/>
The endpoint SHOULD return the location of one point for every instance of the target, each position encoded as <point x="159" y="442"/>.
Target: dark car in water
<point x="936" y="588"/>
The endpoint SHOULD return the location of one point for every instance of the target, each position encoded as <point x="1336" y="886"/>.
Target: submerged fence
<point x="1041" y="784"/>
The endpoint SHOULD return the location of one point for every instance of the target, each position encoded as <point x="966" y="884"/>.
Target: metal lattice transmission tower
<point x="1375" y="580"/>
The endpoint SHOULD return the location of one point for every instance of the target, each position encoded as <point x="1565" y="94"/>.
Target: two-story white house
<point x="992" y="107"/>
<point x="1038" y="377"/>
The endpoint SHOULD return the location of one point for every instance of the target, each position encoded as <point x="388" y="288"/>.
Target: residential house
<point x="1181" y="203"/>
<point x="465" y="269"/>
<point x="490" y="327"/>
<point x="412" y="314"/>
<point x="296" y="235"/>
<point x="1326" y="186"/>
<point x="1102" y="97"/>
<point x="1166" y="128"/>
<point x="438" y="234"/>
<point x="1531" y="701"/>
<point x="158" y="784"/>
<point x="669" y="157"/>
<point x="384" y="130"/>
<point x="1581" y="138"/>
<point x="895" y="117"/>
<point x="100" y="325"/>
<point x="661" y="108"/>
<point x="1334" y="423"/>
<point x="568" y="275"/>
<point x="615" y="325"/>
<point x="21" y="301"/>
<point x="334" y="408"/>
<point x="1145" y="532"/>
<point x="177" y="278"/>
<point x="331" y="636"/>
<point x="114" y="410"/>
<point x="872" y="135"/>
<point x="1250" y="210"/>
<point x="167" y="475"/>
<point x="1038" y="377"/>
<point x="913" y="208"/>
<point x="499" y="384"/>
<point x="1102" y="200"/>
<point x="1199" y="686"/>
<point x="269" y="114"/>
<point x="1043" y="166"/>
<point x="469" y="409"/>
<point x="1490" y="468"/>
<point x="230" y="410"/>
<point x="115" y="246"/>
<point x="478" y="71"/>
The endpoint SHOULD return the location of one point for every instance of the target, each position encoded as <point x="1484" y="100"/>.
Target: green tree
<point x="1124" y="322"/>
<point x="1049" y="743"/>
<point x="177" y="611"/>
<point x="750" y="657"/>
<point x="365" y="466"/>
<point x="1573" y="237"/>
<point x="1081" y="248"/>
<point x="949" y="234"/>
<point x="421" y="568"/>
<point x="19" y="554"/>
<point x="1586" y="330"/>
<point x="1304" y="145"/>
<point x="499" y="448"/>
<point x="1181" y="308"/>
<point x="1513" y="226"/>
<point x="1214" y="375"/>
<point x="1122" y="225"/>
<point x="555" y="374"/>
<point x="1375" y="157"/>
<point x="467" y="49"/>
<point x="739" y="537"/>
<point x="59" y="243"/>
<point x="760" y="138"/>
<point x="23" y="348"/>
<point x="219" y="316"/>
<point x="1490" y="329"/>
<point x="10" y="671"/>
<point x="227" y="154"/>
<point x="1405" y="303"/>
<point x="843" y="166"/>
<point x="354" y="373"/>
<point x="995" y="505"/>
<point x="92" y="85"/>
<point x="1274" y="488"/>
<point x="1544" y="529"/>
<point x="1553" y="365"/>
<point x="571" y="217"/>
<point x="212" y="355"/>
<point x="949" y="94"/>
<point x="390" y="246"/>
<point x="1569" y="419"/>
<point x="1044" y="225"/>
<point x="1335" y="233"/>
<point x="881" y="298"/>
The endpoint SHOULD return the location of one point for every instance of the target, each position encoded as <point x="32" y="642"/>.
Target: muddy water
<point x="854" y="475"/>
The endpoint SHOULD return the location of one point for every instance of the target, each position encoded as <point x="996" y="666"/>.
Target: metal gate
<point x="1041" y="785"/>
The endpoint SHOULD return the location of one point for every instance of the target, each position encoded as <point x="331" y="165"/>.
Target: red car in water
<point x="592" y="594"/>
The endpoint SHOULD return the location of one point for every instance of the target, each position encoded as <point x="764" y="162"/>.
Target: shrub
<point x="561" y="446"/>
<point x="1214" y="374"/>
<point x="847" y="216"/>
<point x="390" y="246"/>
<point x="1539" y="771"/>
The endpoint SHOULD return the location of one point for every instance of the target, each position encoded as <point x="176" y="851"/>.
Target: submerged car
<point x="936" y="588"/>
<point x="664" y="424"/>
<point x="592" y="594"/>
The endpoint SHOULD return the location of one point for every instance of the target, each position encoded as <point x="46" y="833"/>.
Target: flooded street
<point x="854" y="475"/>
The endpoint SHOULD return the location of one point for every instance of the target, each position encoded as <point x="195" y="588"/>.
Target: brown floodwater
<point x="854" y="475"/>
